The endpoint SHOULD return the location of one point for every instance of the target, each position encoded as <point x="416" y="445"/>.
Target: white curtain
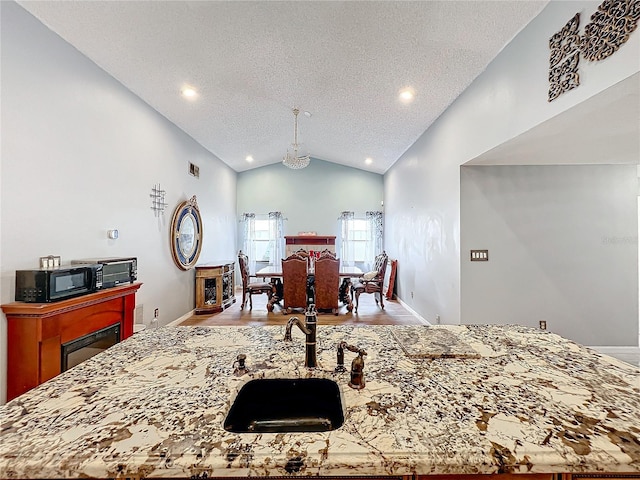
<point x="276" y="234"/>
<point x="248" y="222"/>
<point x="276" y="237"/>
<point x="347" y="254"/>
<point x="374" y="237"/>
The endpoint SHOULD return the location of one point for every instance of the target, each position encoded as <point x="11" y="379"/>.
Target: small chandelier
<point x="292" y="159"/>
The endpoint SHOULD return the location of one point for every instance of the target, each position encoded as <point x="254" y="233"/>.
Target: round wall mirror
<point x="186" y="234"/>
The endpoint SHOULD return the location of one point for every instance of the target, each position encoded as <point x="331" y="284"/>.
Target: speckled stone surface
<point x="440" y="341"/>
<point x="154" y="406"/>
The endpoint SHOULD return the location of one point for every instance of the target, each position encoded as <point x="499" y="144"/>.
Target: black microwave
<point x="58" y="283"/>
<point x="115" y="270"/>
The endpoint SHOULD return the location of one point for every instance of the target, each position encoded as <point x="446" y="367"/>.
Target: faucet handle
<point x="340" y="357"/>
<point x="241" y="358"/>
<point x="239" y="364"/>
<point x="340" y="360"/>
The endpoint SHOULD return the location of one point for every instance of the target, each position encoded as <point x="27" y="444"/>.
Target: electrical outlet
<point x="437" y="319"/>
<point x="139" y="314"/>
<point x="156" y="312"/>
<point x="411" y="294"/>
<point x="543" y="324"/>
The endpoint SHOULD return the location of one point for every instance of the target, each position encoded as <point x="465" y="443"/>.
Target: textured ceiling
<point x="251" y="62"/>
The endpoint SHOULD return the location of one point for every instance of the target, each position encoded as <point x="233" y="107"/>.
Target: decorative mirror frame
<point x="188" y="209"/>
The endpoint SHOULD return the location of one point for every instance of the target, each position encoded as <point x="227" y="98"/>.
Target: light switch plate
<point x="479" y="255"/>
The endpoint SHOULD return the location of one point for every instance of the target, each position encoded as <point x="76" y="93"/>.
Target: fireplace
<point x="80" y="349"/>
<point x="36" y="332"/>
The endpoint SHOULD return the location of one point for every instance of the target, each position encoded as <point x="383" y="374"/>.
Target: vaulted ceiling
<point x="250" y="62"/>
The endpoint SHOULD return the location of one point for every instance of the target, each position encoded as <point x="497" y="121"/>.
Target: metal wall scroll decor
<point x="564" y="59"/>
<point x="157" y="199"/>
<point x="609" y="28"/>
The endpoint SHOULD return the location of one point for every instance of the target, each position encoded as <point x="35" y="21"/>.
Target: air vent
<point x="194" y="170"/>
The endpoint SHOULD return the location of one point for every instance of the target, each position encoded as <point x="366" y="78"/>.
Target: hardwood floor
<point x="368" y="314"/>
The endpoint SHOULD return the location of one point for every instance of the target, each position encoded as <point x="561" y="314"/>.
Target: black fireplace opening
<point x="78" y="350"/>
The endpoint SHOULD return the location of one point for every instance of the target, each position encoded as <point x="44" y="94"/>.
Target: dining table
<point x="346" y="272"/>
<point x="271" y="271"/>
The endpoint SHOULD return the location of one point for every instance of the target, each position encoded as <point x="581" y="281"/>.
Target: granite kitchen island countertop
<point x="438" y="400"/>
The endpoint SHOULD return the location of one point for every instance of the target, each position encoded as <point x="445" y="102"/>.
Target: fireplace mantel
<point x="36" y="331"/>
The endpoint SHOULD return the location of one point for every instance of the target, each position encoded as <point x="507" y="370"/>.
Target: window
<point x="263" y="243"/>
<point x="360" y="238"/>
<point x="262" y="238"/>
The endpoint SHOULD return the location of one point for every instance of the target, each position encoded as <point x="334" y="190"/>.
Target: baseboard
<point x="607" y="350"/>
<point x="237" y="289"/>
<point x="178" y="321"/>
<point x="412" y="312"/>
<point x="627" y="354"/>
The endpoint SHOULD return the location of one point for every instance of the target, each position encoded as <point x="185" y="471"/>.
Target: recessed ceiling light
<point x="189" y="92"/>
<point x="249" y="158"/>
<point x="407" y="95"/>
<point x="368" y="160"/>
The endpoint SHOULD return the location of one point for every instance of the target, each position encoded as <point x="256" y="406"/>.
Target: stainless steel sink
<point x="286" y="405"/>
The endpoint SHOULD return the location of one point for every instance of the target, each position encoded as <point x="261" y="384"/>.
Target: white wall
<point x="310" y="199"/>
<point x="422" y="190"/>
<point x="562" y="248"/>
<point x="80" y="155"/>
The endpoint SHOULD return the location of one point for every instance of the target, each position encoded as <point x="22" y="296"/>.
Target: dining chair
<point x="327" y="283"/>
<point x="373" y="281"/>
<point x="250" y="288"/>
<point x="294" y="283"/>
<point x="326" y="252"/>
<point x="301" y="252"/>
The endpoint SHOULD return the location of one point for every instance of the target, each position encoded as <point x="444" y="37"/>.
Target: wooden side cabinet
<point x="309" y="242"/>
<point x="38" y="332"/>
<point x="215" y="282"/>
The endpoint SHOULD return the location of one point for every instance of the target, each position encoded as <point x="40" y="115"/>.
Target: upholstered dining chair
<point x="327" y="252"/>
<point x="294" y="283"/>
<point x="373" y="281"/>
<point x="301" y="252"/>
<point x="250" y="288"/>
<point x="327" y="283"/>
